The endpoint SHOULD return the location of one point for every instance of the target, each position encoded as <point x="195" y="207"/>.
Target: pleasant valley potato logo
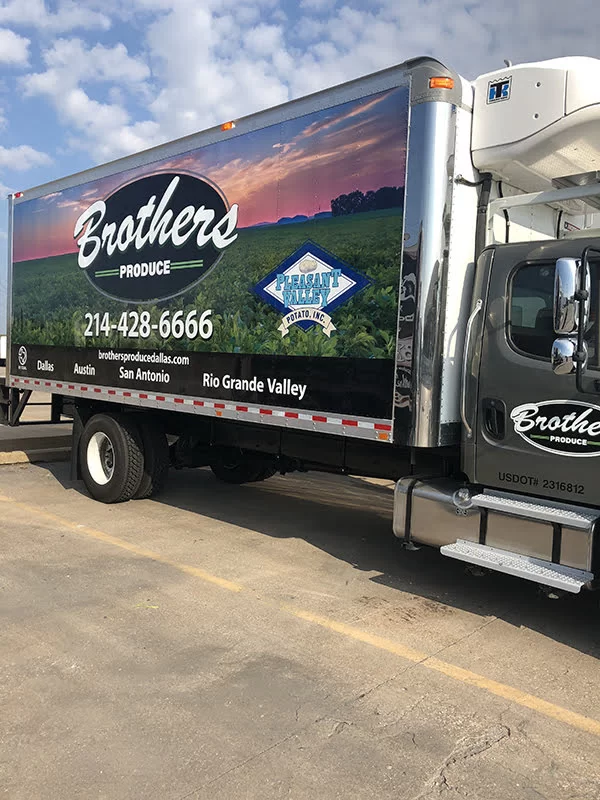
<point x="155" y="237"/>
<point x="308" y="286"/>
<point x="564" y="427"/>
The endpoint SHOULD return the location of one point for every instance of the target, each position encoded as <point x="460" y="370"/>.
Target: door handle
<point x="463" y="389"/>
<point x="494" y="417"/>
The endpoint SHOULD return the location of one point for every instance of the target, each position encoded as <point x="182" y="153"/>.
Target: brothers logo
<point x="155" y="237"/>
<point x="566" y="427"/>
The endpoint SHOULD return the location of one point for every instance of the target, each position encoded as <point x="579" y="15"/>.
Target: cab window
<point x="531" y="328"/>
<point x="530" y="323"/>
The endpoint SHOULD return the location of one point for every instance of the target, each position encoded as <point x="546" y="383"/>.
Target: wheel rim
<point x="100" y="458"/>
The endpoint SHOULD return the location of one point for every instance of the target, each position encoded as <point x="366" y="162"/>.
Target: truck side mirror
<point x="564" y="356"/>
<point x="565" y="299"/>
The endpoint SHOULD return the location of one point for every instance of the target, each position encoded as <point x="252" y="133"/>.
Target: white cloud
<point x="14" y="49"/>
<point x="104" y="128"/>
<point x="22" y="157"/>
<point x="70" y="62"/>
<point x="232" y="73"/>
<point x="318" y="5"/>
<point x="264" y="39"/>
<point x="222" y="59"/>
<point x="68" y="16"/>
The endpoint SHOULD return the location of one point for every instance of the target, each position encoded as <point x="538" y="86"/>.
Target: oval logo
<point x="566" y="427"/>
<point x="154" y="238"/>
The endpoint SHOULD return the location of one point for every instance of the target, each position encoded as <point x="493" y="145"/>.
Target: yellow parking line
<point x="537" y="704"/>
<point x="450" y="670"/>
<point x="132" y="548"/>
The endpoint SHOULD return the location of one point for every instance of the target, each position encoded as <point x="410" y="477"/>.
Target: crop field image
<point x="51" y="296"/>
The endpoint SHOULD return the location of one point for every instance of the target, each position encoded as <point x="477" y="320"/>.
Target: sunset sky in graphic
<point x="296" y="167"/>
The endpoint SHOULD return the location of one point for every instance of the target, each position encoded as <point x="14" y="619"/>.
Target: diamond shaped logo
<point x="307" y="286"/>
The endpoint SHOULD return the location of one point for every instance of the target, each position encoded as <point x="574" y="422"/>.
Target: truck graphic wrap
<point x="271" y="259"/>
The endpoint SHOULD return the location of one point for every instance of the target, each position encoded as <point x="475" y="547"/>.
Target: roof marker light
<point x="228" y="126"/>
<point x="16" y="195"/>
<point x="441" y="82"/>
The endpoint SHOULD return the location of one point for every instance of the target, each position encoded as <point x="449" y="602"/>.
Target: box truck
<point x="396" y="277"/>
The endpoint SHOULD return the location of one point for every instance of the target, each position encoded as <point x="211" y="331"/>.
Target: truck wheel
<point x="266" y="471"/>
<point x="156" y="461"/>
<point x="231" y="466"/>
<point x="111" y="457"/>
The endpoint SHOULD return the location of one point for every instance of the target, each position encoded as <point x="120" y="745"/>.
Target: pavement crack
<point x="465" y="749"/>
<point x="461" y="639"/>
<point x="432" y="656"/>
<point x="405" y="712"/>
<point x="242" y="763"/>
<point x="339" y="726"/>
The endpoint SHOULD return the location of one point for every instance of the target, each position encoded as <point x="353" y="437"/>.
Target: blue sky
<point x="85" y="82"/>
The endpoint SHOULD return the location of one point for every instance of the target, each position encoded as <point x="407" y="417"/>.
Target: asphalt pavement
<point x="275" y="641"/>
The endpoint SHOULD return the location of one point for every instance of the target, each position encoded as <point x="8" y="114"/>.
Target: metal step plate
<point x="508" y="504"/>
<point x="532" y="569"/>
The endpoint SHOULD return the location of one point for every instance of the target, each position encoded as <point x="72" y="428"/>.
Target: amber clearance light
<point x="228" y="126"/>
<point x="441" y="82"/>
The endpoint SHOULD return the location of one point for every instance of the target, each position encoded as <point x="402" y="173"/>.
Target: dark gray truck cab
<point x="527" y="501"/>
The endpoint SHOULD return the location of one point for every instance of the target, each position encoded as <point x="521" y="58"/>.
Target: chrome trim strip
<point x="463" y="387"/>
<point x="356" y="427"/>
<point x="9" y="283"/>
<point x="427" y="209"/>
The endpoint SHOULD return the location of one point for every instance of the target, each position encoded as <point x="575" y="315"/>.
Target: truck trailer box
<point x="255" y="271"/>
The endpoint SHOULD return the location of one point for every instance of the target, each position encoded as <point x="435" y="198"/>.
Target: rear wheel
<point x="234" y="466"/>
<point x="156" y="461"/>
<point x="111" y="457"/>
<point x="266" y="471"/>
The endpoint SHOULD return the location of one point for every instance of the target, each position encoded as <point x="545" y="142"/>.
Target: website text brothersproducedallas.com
<point x="150" y="357"/>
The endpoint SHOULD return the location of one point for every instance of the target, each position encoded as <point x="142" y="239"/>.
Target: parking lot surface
<point x="275" y="641"/>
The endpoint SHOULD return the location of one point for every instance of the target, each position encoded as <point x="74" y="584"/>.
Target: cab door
<point x="534" y="432"/>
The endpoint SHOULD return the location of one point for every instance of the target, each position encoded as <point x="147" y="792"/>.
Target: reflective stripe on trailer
<point x="357" y="427"/>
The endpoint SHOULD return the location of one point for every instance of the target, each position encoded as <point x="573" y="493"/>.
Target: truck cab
<point x="532" y="413"/>
<point x="525" y="499"/>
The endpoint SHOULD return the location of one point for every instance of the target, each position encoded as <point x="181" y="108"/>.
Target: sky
<point x="86" y="81"/>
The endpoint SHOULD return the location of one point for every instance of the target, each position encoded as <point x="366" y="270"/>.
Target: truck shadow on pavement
<point x="351" y="520"/>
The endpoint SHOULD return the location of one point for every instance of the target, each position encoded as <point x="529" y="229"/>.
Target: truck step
<point x="538" y="510"/>
<point x="532" y="569"/>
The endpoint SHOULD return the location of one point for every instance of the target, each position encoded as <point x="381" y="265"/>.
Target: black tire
<point x="266" y="471"/>
<point x="231" y="466"/>
<point x="156" y="461"/>
<point x="234" y="473"/>
<point x="111" y="457"/>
